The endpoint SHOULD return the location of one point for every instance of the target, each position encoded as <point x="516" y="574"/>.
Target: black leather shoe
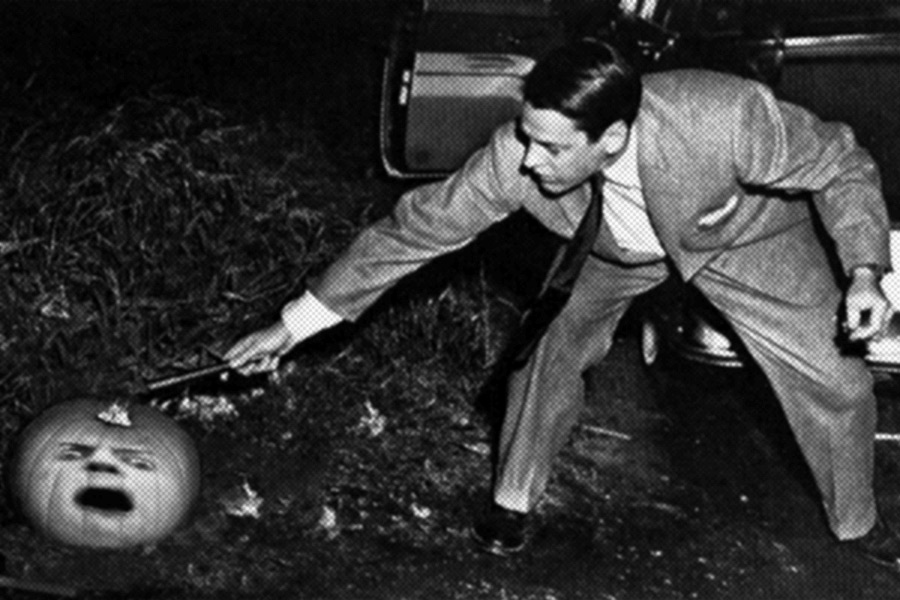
<point x="881" y="546"/>
<point x="500" y="531"/>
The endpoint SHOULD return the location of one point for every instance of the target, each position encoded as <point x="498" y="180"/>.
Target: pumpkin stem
<point x="116" y="414"/>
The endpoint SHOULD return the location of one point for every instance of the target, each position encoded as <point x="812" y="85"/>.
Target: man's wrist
<point x="306" y="316"/>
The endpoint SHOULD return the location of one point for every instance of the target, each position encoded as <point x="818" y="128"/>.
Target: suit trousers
<point x="827" y="396"/>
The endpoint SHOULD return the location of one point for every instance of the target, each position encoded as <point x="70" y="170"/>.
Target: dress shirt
<point x="624" y="207"/>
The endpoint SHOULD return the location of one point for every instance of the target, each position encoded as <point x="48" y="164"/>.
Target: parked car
<point x="454" y="70"/>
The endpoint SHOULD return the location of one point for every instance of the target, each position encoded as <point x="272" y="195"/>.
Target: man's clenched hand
<point x="868" y="310"/>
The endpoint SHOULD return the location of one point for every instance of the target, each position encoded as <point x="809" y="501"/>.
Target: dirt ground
<point x="678" y="483"/>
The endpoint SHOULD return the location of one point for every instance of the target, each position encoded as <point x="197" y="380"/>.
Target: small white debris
<point x="242" y="502"/>
<point x="328" y="522"/>
<point x="482" y="448"/>
<point x="460" y="420"/>
<point x="372" y="423"/>
<point x="420" y="512"/>
<point x="115" y="414"/>
<point x="206" y="408"/>
<point x="56" y="306"/>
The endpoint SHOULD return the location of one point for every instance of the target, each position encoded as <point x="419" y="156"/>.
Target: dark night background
<point x="302" y="60"/>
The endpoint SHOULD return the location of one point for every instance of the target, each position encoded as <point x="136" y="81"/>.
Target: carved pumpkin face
<point x="87" y="482"/>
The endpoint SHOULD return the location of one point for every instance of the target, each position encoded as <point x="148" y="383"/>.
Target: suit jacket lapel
<point x="672" y="190"/>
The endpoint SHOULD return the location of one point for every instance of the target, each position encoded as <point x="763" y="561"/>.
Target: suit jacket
<point x="720" y="162"/>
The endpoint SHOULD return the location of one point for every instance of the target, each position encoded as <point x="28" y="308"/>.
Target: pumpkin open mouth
<point x="104" y="500"/>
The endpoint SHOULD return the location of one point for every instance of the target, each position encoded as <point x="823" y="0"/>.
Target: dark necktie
<point x="560" y="280"/>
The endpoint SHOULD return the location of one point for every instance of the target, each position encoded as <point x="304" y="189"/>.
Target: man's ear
<point x="615" y="137"/>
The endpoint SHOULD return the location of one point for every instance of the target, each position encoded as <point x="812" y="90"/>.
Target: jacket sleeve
<point x="781" y="145"/>
<point x="425" y="223"/>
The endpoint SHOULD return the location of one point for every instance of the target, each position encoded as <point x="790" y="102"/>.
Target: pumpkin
<point x="89" y="481"/>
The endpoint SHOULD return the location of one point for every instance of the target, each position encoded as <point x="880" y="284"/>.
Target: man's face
<point x="558" y="155"/>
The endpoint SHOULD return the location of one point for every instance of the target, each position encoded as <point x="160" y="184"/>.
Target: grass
<point x="140" y="237"/>
<point x="153" y="232"/>
<point x="138" y="232"/>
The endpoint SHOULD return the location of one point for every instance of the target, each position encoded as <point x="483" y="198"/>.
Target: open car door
<point x="453" y="74"/>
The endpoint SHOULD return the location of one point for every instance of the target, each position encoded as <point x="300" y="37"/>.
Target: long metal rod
<point x="187" y="377"/>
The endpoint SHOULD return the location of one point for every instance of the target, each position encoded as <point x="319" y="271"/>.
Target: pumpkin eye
<point x="141" y="464"/>
<point x="136" y="459"/>
<point x="74" y="452"/>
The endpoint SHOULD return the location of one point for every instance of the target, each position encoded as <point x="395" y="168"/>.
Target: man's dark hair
<point x="589" y="82"/>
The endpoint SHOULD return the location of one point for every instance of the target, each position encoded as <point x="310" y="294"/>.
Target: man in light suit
<point x="701" y="172"/>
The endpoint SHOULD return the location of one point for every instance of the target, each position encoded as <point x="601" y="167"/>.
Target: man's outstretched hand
<point x="261" y="350"/>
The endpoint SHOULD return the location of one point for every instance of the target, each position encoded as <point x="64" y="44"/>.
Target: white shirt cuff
<point x="306" y="316"/>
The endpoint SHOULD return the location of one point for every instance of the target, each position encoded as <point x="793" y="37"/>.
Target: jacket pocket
<point x="712" y="218"/>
